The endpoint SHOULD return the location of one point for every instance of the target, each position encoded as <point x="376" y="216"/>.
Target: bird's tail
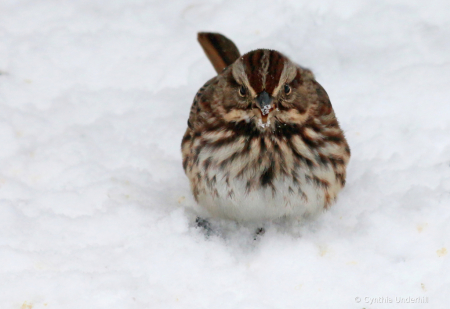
<point x="220" y="50"/>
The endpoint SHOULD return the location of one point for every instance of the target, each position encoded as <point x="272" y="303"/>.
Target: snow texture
<point x="96" y="212"/>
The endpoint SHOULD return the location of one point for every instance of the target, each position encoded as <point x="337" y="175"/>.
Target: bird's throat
<point x="265" y="114"/>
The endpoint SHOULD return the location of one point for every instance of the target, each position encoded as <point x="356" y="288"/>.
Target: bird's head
<point x="264" y="87"/>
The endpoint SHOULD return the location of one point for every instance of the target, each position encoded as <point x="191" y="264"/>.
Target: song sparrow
<point x="262" y="141"/>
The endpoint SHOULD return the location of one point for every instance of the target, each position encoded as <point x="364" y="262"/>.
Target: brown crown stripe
<point x="276" y="66"/>
<point x="253" y="63"/>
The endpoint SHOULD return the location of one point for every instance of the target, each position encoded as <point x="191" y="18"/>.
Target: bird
<point x="262" y="141"/>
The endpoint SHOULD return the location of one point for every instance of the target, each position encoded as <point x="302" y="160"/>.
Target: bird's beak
<point x="264" y="103"/>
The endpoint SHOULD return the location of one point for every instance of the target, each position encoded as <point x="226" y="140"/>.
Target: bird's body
<point x="263" y="142"/>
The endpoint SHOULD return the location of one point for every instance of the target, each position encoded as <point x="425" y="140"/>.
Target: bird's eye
<point x="242" y="91"/>
<point x="287" y="89"/>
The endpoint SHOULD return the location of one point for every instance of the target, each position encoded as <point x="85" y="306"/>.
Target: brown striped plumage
<point x="263" y="141"/>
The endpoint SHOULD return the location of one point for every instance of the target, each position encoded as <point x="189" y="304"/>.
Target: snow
<point x="96" y="212"/>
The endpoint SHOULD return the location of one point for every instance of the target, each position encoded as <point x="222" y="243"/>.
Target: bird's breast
<point x="259" y="178"/>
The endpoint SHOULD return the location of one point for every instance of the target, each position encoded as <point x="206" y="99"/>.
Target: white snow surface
<point x="95" y="209"/>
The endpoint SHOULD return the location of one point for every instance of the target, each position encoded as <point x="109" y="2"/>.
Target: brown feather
<point x="220" y="50"/>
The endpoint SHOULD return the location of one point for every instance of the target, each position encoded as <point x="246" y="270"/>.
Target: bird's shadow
<point x="223" y="228"/>
<point x="247" y="234"/>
